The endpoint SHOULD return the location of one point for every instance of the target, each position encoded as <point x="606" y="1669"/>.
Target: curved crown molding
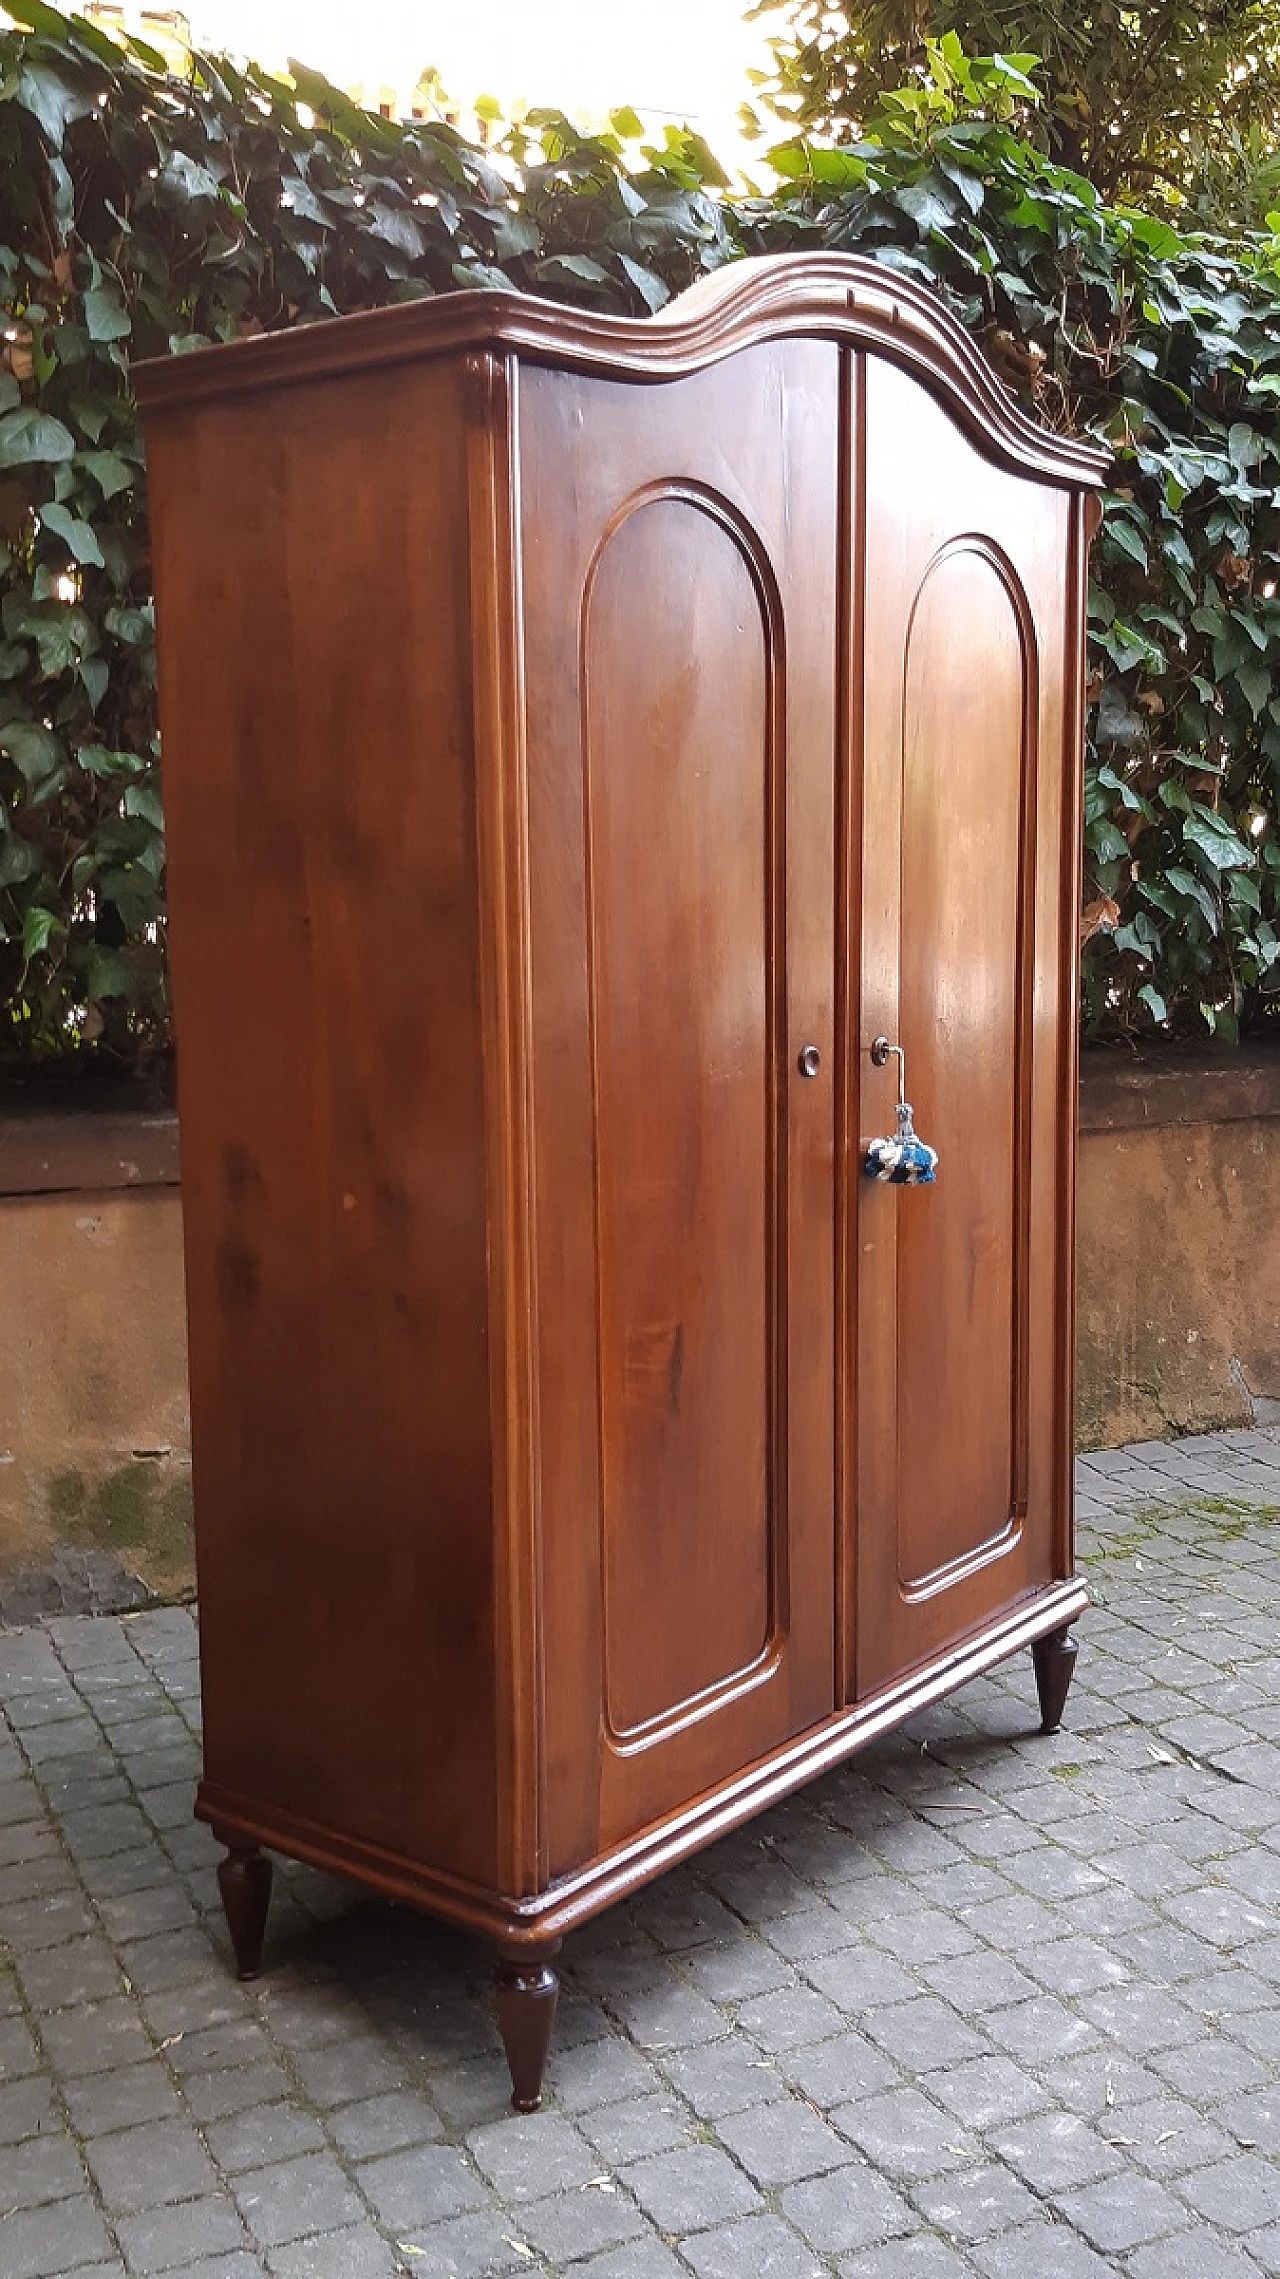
<point x="833" y="295"/>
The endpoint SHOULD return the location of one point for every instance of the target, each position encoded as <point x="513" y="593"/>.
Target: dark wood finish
<point x="962" y="1471"/>
<point x="244" y="1885"/>
<point x="527" y="1993"/>
<point x="1054" y="1658"/>
<point x="332" y="1104"/>
<point x="679" y="659"/>
<point x="574" y="726"/>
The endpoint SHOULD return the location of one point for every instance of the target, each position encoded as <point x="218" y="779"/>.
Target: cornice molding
<point x="827" y="295"/>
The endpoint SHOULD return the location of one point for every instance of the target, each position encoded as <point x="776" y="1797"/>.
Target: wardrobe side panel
<point x="313" y="596"/>
<point x="967" y="840"/>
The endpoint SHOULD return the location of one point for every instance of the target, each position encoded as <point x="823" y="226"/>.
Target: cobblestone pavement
<point x="980" y="2004"/>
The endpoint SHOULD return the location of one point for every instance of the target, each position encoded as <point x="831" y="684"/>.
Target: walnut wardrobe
<point x="595" y="751"/>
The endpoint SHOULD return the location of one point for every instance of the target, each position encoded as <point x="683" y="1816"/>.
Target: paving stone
<point x="1104" y="2081"/>
<point x="1263" y="2249"/>
<point x="1045" y="2250"/>
<point x="782" y="2142"/>
<point x="724" y="2077"/>
<point x="232" y="2088"/>
<point x="906" y="2134"/>
<point x="474" y="2246"/>
<point x="263" y="2134"/>
<point x="42" y="2169"/>
<point x="27" y="2110"/>
<point x="1063" y="2003"/>
<point x="1238" y="2194"/>
<point x="93" y="2039"/>
<point x="64" y="1977"/>
<point x="641" y="2259"/>
<point x="1167" y="2136"/>
<point x="421" y="2186"/>
<point x="1192" y="2255"/>
<point x="287" y="2202"/>
<point x="1055" y="2151"/>
<point x="51" y="2241"/>
<point x="357" y="2252"/>
<point x="978" y="1983"/>
<point x="762" y="2245"/>
<point x="988" y="2090"/>
<point x="670" y="2016"/>
<point x="859" y="1979"/>
<point x="1122" y="2212"/>
<point x="790" y="2018"/>
<point x="1210" y="2069"/>
<point x="626" y="2132"/>
<point x="1254" y="2119"/>
<point x="923" y="2257"/>
<point x="690" y="2188"/>
<point x="19" y="2050"/>
<point x="585" y="2221"/>
<point x="833" y="2072"/>
<point x="924" y="2035"/>
<point x="852" y="2208"/>
<point x="528" y="2155"/>
<point x="384" y="2124"/>
<point x="169" y="2238"/>
<point x="738" y="1969"/>
<point x="606" y="2071"/>
<point x="974" y="2205"/>
<point x="150" y="2166"/>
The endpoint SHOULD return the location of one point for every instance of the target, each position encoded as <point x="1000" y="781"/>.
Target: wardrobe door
<point x="968" y="867"/>
<point x="679" y="549"/>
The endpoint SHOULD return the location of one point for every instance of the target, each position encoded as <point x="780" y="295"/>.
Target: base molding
<point x="600" y="1883"/>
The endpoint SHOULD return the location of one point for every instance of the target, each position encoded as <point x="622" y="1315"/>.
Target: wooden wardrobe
<point x="585" y="740"/>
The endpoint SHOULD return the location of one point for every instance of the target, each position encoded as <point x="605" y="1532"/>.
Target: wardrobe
<point x="606" y="762"/>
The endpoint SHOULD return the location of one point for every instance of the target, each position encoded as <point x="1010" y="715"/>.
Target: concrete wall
<point x="1178" y="1246"/>
<point x="95" y="1467"/>
<point x="1179" y="1310"/>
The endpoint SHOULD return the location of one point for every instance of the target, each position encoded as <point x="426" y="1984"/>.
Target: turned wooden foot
<point x="1055" y="1661"/>
<point x="244" y="1880"/>
<point x="528" y="1990"/>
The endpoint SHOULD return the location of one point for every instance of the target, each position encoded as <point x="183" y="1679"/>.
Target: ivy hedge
<point x="143" y="212"/>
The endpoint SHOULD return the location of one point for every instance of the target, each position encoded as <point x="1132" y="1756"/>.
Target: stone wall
<point x="1179" y="1309"/>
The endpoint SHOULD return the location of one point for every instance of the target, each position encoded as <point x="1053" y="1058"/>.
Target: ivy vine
<point x="143" y="212"/>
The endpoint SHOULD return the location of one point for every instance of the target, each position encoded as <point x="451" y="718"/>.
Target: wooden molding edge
<point x="575" y="1898"/>
<point x="838" y="295"/>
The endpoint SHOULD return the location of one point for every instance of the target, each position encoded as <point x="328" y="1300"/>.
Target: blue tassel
<point x="904" y="1160"/>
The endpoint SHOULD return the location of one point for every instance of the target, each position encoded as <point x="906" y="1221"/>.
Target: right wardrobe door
<point x="964" y="859"/>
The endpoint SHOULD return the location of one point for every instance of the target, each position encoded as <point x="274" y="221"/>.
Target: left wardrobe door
<point x="678" y="544"/>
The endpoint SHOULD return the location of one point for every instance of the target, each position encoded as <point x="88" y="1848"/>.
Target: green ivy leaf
<point x="39" y="756"/>
<point x="1217" y="842"/>
<point x="80" y="536"/>
<point x="38" y="929"/>
<point x="110" y="472"/>
<point x="143" y="800"/>
<point x="1122" y="534"/>
<point x="31" y="437"/>
<point x="105" y="314"/>
<point x="97" y="760"/>
<point x="95" y="676"/>
<point x="1255" y="682"/>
